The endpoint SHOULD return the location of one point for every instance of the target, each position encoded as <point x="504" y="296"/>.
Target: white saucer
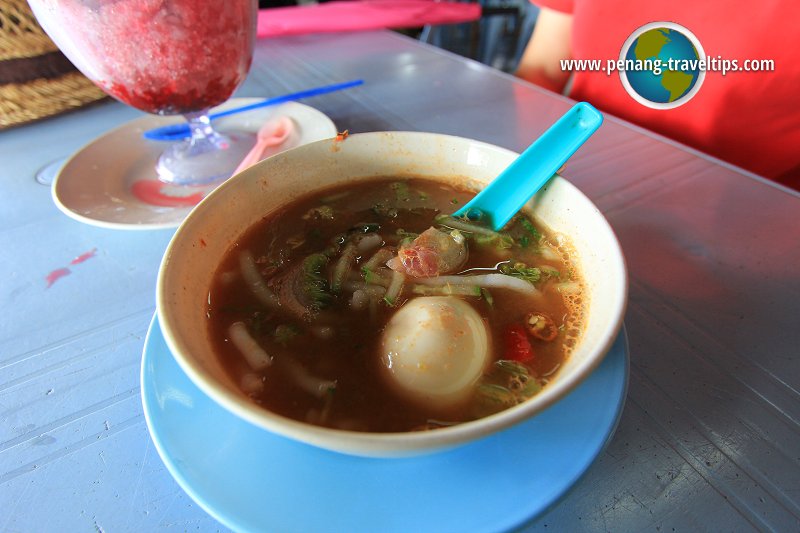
<point x="252" y="480"/>
<point x="95" y="186"/>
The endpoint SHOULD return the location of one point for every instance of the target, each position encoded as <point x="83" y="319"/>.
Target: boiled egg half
<point x="434" y="349"/>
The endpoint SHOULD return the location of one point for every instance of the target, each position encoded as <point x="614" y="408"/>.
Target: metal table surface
<point x="708" y="439"/>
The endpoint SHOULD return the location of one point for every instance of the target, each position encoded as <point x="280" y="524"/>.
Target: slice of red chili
<point x="517" y="345"/>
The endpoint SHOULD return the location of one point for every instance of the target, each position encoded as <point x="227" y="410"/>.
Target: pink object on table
<point x="272" y="137"/>
<point x="359" y="15"/>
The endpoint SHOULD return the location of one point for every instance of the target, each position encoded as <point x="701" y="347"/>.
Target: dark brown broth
<point x="361" y="399"/>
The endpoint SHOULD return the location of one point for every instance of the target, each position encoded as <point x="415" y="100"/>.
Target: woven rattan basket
<point x="36" y="80"/>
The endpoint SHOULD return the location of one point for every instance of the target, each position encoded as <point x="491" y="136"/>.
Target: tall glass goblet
<point x="165" y="57"/>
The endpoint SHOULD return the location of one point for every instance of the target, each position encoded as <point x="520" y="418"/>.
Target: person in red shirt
<point x="749" y="119"/>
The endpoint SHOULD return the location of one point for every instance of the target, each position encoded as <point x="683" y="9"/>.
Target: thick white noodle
<point x="369" y="242"/>
<point x="255" y="282"/>
<point x="254" y="354"/>
<point x="251" y="383"/>
<point x="360" y="300"/>
<point x="313" y="385"/>
<point x="395" y="287"/>
<point x="379" y="259"/>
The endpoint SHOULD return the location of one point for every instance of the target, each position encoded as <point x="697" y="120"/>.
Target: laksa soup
<point x="370" y="308"/>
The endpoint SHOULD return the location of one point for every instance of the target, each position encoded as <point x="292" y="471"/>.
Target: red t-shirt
<point x="750" y="119"/>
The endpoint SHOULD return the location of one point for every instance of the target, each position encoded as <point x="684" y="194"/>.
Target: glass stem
<point x="208" y="156"/>
<point x="200" y="128"/>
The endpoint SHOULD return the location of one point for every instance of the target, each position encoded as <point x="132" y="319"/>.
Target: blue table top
<point x="708" y="439"/>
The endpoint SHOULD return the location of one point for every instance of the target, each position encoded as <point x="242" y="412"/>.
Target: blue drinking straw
<point x="176" y="132"/>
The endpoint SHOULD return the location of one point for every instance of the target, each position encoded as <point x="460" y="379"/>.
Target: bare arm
<point x="551" y="41"/>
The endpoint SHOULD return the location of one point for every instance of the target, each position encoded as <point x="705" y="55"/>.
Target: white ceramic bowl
<point x="218" y="221"/>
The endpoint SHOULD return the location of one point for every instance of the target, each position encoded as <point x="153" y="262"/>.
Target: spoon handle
<point x="509" y="191"/>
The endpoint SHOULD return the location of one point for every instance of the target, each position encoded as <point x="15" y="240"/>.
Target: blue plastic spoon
<point x="523" y="178"/>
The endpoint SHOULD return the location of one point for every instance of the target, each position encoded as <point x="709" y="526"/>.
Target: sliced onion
<point x="447" y="290"/>
<point x="549" y="253"/>
<point x="569" y="287"/>
<point x="459" y="224"/>
<point x="495" y="281"/>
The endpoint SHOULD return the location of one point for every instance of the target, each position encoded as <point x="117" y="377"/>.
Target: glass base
<point x="47" y="174"/>
<point x="200" y="161"/>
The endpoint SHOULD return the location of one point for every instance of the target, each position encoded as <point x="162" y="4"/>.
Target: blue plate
<point x="252" y="480"/>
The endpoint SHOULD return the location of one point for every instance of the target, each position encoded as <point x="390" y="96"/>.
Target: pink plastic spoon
<point x="272" y="135"/>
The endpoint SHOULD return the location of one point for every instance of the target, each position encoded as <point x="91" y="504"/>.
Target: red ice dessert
<point x="161" y="56"/>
